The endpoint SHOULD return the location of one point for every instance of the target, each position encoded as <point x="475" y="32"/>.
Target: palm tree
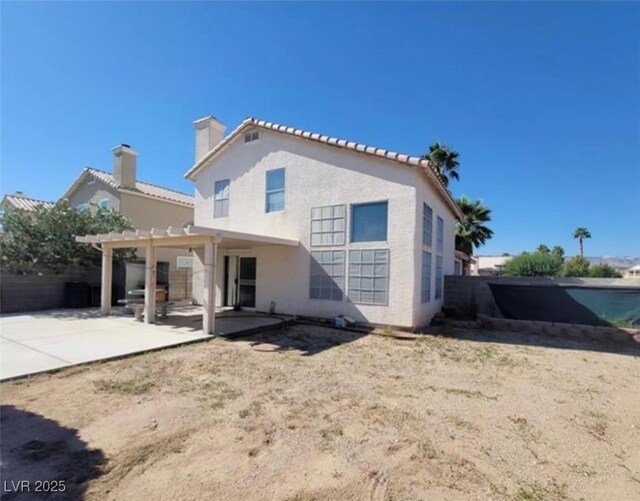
<point x="558" y="251"/>
<point x="471" y="230"/>
<point x="543" y="249"/>
<point x="444" y="161"/>
<point x="581" y="234"/>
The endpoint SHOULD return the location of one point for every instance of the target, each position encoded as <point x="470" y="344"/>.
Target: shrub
<point x="576" y="267"/>
<point x="604" y="270"/>
<point x="534" y="265"/>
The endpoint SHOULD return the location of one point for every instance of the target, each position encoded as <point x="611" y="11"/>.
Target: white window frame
<point x="221" y="200"/>
<point x="427" y="223"/>
<point x="351" y="287"/>
<point x="101" y="202"/>
<point x="351" y="225"/>
<point x="337" y="278"/>
<point x="425" y="289"/>
<point x="439" y="258"/>
<point x="268" y="192"/>
<point x="251" y="136"/>
<point x="325" y="218"/>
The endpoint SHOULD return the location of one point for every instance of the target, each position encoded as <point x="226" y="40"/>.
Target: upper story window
<point x="275" y="190"/>
<point x="104" y="203"/>
<point x="369" y="222"/>
<point x="253" y="135"/>
<point x="221" y="199"/>
<point x="440" y="235"/>
<point x="328" y="225"/>
<point x="427" y="225"/>
<point x="82" y="207"/>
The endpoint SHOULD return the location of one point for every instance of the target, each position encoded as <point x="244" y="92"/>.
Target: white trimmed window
<point x="439" y="251"/>
<point x="82" y="207"/>
<point x="275" y="190"/>
<point x="221" y="199"/>
<point x="426" y="277"/>
<point x="369" y="276"/>
<point x="326" y="275"/>
<point x="427" y="225"/>
<point x="104" y="203"/>
<point x="328" y="225"/>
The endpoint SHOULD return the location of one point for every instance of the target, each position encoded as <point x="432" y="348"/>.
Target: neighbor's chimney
<point x="124" y="165"/>
<point x="209" y="132"/>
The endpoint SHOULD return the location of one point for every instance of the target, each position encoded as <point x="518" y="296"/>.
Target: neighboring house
<point x="463" y="263"/>
<point x="489" y="265"/>
<point x="633" y="272"/>
<point x="376" y="229"/>
<point x="147" y="206"/>
<point x="19" y="200"/>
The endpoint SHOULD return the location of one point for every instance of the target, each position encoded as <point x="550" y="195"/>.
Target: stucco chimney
<point x="209" y="132"/>
<point x="124" y="165"/>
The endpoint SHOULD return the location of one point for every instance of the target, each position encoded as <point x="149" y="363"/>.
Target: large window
<point x="440" y="236"/>
<point x="275" y="190"/>
<point x="369" y="222"/>
<point x="326" y="275"/>
<point x="221" y="199"/>
<point x="369" y="276"/>
<point x="427" y="225"/>
<point x="439" y="251"/>
<point x="426" y="277"/>
<point x="438" y="277"/>
<point x="328" y="225"/>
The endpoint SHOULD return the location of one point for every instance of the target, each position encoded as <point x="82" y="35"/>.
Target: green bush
<point x="604" y="271"/>
<point x="534" y="265"/>
<point x="576" y="267"/>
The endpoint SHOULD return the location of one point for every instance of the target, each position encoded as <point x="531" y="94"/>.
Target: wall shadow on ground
<point x="308" y="340"/>
<point x="34" y="447"/>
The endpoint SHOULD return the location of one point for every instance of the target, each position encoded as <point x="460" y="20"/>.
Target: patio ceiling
<point x="191" y="236"/>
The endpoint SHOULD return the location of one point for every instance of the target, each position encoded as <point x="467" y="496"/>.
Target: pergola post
<point x="107" y="273"/>
<point x="209" y="300"/>
<point x="150" y="284"/>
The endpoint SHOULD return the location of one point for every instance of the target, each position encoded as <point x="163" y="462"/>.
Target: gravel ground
<point x="314" y="413"/>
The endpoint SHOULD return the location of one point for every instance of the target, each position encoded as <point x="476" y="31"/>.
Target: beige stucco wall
<point x="145" y="213"/>
<point x="317" y="176"/>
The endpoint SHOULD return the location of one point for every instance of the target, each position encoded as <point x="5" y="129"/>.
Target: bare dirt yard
<point x="313" y="413"/>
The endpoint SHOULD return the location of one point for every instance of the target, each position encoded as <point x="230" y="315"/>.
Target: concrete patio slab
<point x="42" y="341"/>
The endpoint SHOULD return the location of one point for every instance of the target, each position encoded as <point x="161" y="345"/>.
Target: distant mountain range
<point x="616" y="262"/>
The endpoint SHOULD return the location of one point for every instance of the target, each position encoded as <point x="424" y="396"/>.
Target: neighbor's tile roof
<point x="335" y="142"/>
<point x="23" y="202"/>
<point x="143" y="188"/>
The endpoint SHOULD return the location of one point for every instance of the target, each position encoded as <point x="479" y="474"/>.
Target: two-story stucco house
<point x="376" y="229"/>
<point x="147" y="206"/>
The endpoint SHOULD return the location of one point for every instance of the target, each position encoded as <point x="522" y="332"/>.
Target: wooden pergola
<point x="191" y="237"/>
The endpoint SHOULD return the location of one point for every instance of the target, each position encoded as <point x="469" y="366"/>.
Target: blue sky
<point x="542" y="100"/>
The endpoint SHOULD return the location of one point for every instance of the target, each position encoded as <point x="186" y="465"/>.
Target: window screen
<point x="221" y="199"/>
<point x="440" y="236"/>
<point x="326" y="275"/>
<point x="328" y="225"/>
<point x="426" y="277"/>
<point x="369" y="222"/>
<point x="427" y="225"/>
<point x="369" y="276"/>
<point x="275" y="190"/>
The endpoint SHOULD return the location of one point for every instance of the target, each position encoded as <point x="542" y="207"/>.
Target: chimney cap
<point x="124" y="147"/>
<point x="209" y="119"/>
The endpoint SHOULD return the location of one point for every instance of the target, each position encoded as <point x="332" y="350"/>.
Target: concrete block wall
<point x="471" y="295"/>
<point x="39" y="292"/>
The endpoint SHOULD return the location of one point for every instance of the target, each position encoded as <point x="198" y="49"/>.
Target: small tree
<point x="537" y="264"/>
<point x="44" y="240"/>
<point x="577" y="266"/>
<point x="604" y="270"/>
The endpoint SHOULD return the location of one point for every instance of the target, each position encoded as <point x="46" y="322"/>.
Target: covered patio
<point x="191" y="237"/>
